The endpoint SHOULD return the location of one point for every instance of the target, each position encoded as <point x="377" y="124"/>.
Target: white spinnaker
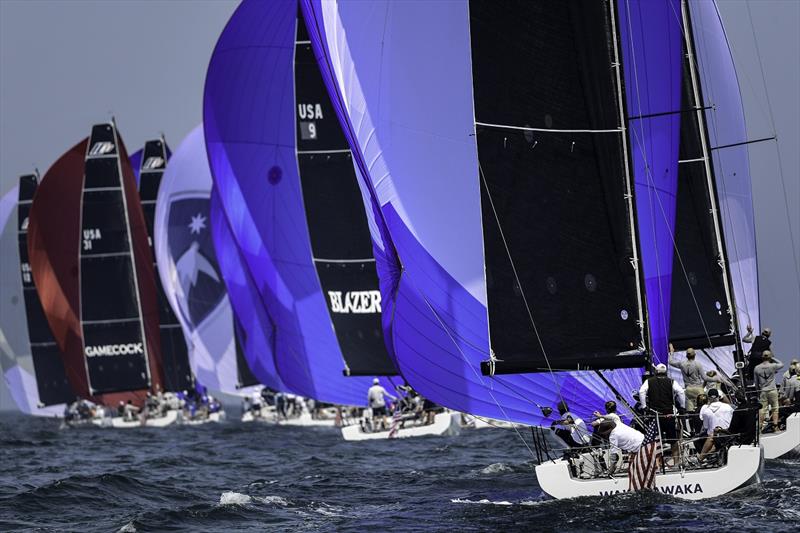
<point x="212" y="351"/>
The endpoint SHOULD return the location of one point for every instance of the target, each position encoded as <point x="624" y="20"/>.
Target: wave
<point x="480" y="502"/>
<point x="496" y="468"/>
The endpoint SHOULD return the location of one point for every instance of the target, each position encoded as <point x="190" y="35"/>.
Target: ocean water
<point x="255" y="477"/>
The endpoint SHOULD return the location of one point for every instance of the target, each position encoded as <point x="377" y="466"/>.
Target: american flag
<point x="395" y="424"/>
<point x="642" y="470"/>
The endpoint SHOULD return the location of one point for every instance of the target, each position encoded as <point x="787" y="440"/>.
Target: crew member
<point x="376" y="396"/>
<point x="611" y="413"/>
<point x="791" y="387"/>
<point x="764" y="378"/>
<point x="660" y="393"/>
<point x="622" y="438"/>
<point x="716" y="417"/>
<point x="760" y="344"/>
<point x="692" y="372"/>
<point x="573" y="429"/>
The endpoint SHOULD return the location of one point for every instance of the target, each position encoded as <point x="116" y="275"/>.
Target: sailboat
<point x="304" y="233"/>
<point x="93" y="269"/>
<point x="531" y="216"/>
<point x="31" y="365"/>
<point x="178" y="376"/>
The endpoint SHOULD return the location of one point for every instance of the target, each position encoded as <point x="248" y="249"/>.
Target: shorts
<point x="769" y="398"/>
<point x="380" y="411"/>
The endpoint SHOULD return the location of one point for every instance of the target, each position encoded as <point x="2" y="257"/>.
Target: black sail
<point x="561" y="290"/>
<point x="51" y="379"/>
<point x="110" y="311"/>
<point x="699" y="312"/>
<point x="339" y="234"/>
<point x="174" y="353"/>
<point x="244" y="376"/>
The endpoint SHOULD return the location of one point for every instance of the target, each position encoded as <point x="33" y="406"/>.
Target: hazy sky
<point x="65" y="65"/>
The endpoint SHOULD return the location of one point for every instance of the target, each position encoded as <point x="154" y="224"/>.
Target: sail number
<point x="26" y="273"/>
<point x="307" y="113"/>
<point x="90" y="235"/>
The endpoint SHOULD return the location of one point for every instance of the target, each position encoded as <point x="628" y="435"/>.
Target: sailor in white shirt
<point x="716" y="417"/>
<point x="622" y="438"/>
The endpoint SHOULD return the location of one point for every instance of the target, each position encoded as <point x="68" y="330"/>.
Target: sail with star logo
<point x="188" y="266"/>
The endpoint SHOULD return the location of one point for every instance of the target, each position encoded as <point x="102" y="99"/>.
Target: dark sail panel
<point x="244" y="375"/>
<point x="552" y="171"/>
<point x="340" y="239"/>
<point x="174" y="353"/>
<point x="113" y="333"/>
<point x="699" y="313"/>
<point x="51" y="379"/>
<point x="53" y="230"/>
<point x="117" y="286"/>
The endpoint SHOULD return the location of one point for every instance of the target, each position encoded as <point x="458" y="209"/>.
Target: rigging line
<point x="477" y="374"/>
<point x="455" y="335"/>
<point x="666" y="113"/>
<point x="714" y="362"/>
<point x="545" y="130"/>
<point x="519" y="283"/>
<point x="742" y="143"/>
<point x="619" y="396"/>
<point x="777" y="144"/>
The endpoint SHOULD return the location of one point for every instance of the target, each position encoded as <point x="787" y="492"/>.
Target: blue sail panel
<point x="258" y="332"/>
<point x="249" y="116"/>
<point x="651" y="40"/>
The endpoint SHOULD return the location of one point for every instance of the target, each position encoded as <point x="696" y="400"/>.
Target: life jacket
<point x="659" y="394"/>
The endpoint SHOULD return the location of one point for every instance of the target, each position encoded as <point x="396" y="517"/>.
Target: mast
<point x="710" y="184"/>
<point x="630" y="201"/>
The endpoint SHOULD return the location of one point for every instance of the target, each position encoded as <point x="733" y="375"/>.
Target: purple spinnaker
<point x="651" y="39"/>
<point x="419" y="159"/>
<point x="136" y="163"/>
<point x="259" y="332"/>
<point x="249" y="116"/>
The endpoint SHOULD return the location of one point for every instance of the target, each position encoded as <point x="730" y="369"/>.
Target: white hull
<point x="443" y="423"/>
<point x="743" y="468"/>
<point x="472" y="422"/>
<point x="304" y="420"/>
<point x="779" y="444"/>
<point x="119" y="422"/>
<point x="211" y="419"/>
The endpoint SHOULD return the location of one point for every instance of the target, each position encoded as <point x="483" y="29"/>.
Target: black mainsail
<point x="555" y="190"/>
<point x="117" y="288"/>
<point x="51" y="379"/>
<point x="174" y="352"/>
<point x="340" y="238"/>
